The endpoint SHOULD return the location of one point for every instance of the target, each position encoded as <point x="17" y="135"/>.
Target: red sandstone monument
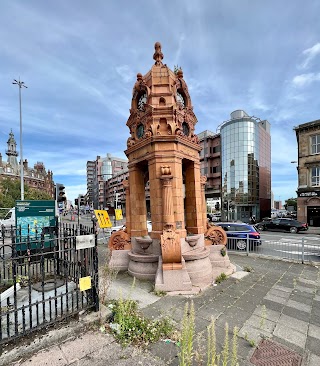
<point x="181" y="251"/>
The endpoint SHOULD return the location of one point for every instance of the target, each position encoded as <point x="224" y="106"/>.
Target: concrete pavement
<point x="277" y="301"/>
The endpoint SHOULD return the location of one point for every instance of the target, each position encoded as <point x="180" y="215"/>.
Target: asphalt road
<point x="291" y="246"/>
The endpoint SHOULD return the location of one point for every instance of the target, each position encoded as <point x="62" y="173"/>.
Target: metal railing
<point x="300" y="249"/>
<point x="39" y="280"/>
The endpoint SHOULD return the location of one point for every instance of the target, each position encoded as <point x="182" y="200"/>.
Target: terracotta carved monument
<point x="163" y="152"/>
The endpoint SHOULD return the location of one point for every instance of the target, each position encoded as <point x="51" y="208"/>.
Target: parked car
<point x="283" y="224"/>
<point x="237" y="234"/>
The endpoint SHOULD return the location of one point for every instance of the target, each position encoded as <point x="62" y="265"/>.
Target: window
<point x="315" y="176"/>
<point x="315" y="144"/>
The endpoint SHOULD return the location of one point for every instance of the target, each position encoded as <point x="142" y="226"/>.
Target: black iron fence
<point x="41" y="276"/>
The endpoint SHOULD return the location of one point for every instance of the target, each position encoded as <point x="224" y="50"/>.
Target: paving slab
<point x="290" y="335"/>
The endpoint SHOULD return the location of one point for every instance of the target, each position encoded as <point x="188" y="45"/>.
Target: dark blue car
<point x="239" y="233"/>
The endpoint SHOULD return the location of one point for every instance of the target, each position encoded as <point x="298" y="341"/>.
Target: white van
<point x="9" y="220"/>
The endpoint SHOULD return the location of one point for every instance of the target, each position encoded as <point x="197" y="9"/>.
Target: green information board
<point x="32" y="216"/>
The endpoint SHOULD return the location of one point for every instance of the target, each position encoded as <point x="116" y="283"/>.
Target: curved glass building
<point x="246" y="167"/>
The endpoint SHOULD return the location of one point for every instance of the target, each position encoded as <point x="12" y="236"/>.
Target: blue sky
<point x="80" y="58"/>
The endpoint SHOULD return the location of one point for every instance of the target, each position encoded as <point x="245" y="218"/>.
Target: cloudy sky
<point x="80" y="58"/>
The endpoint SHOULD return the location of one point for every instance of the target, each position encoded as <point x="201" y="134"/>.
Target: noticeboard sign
<point x="35" y="217"/>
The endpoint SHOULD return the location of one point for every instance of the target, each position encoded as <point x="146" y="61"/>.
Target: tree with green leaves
<point x="291" y="202"/>
<point x="10" y="191"/>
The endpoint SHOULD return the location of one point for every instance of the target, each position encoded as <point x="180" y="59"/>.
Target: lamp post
<point x="21" y="85"/>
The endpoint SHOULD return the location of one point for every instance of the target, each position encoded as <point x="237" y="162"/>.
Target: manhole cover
<point x="269" y="353"/>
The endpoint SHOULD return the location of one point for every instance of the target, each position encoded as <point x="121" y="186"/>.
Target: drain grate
<point x="269" y="353"/>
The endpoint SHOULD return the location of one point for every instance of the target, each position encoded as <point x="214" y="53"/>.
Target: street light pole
<point x="21" y="84"/>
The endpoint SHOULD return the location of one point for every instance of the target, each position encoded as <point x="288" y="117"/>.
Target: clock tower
<point x="163" y="153"/>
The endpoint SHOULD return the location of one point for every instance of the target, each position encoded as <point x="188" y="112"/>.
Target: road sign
<point x="103" y="218"/>
<point x="118" y="213"/>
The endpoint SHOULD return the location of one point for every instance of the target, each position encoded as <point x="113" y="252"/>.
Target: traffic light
<point x="60" y="193"/>
<point x="225" y="205"/>
<point x="76" y="201"/>
<point x="81" y="200"/>
<point x="217" y="206"/>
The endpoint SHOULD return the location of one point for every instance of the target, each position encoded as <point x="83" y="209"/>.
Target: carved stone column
<point x="203" y="181"/>
<point x="170" y="240"/>
<point x="167" y="203"/>
<point x="125" y="184"/>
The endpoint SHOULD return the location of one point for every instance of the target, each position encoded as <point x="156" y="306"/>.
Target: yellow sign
<point x="103" y="218"/>
<point x="118" y="212"/>
<point x="85" y="283"/>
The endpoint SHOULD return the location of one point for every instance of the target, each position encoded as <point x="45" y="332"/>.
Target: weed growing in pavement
<point x="159" y="293"/>
<point x="187" y="333"/>
<point x="250" y="341"/>
<point x="212" y="352"/>
<point x="129" y="326"/>
<point x="200" y="350"/>
<point x="234" y="354"/>
<point x="107" y="276"/>
<point x="221" y="278"/>
<point x="225" y="351"/>
<point x="294" y="283"/>
<point x="248" y="269"/>
<point x="263" y="316"/>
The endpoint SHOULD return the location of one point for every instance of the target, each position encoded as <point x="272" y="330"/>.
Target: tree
<point x="291" y="202"/>
<point x="10" y="191"/>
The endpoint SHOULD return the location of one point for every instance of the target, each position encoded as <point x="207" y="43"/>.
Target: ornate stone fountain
<point x="163" y="150"/>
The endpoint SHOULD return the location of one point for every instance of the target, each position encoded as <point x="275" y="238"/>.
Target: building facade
<point x="36" y="177"/>
<point x="99" y="172"/>
<point x="246" y="167"/>
<point x="308" y="201"/>
<point x="210" y="160"/>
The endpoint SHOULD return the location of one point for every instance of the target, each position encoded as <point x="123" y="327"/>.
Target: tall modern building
<point x="246" y="167"/>
<point x="99" y="171"/>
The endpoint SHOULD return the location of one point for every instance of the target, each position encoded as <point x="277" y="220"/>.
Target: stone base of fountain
<point x="119" y="260"/>
<point x="198" y="266"/>
<point x="172" y="280"/>
<point x="220" y="264"/>
<point x="143" y="266"/>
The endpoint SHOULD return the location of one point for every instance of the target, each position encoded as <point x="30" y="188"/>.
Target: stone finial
<point x="180" y="74"/>
<point x="139" y="77"/>
<point x="158" y="55"/>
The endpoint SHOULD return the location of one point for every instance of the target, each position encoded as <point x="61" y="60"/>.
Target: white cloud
<point x="305" y="79"/>
<point x="310" y="54"/>
<point x="126" y="74"/>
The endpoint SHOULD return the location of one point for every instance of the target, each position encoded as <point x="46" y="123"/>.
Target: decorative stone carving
<point x="158" y="55"/>
<point x="165" y="170"/>
<point x="215" y="235"/>
<point x="171" y="250"/>
<point x="144" y="242"/>
<point x="119" y="240"/>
